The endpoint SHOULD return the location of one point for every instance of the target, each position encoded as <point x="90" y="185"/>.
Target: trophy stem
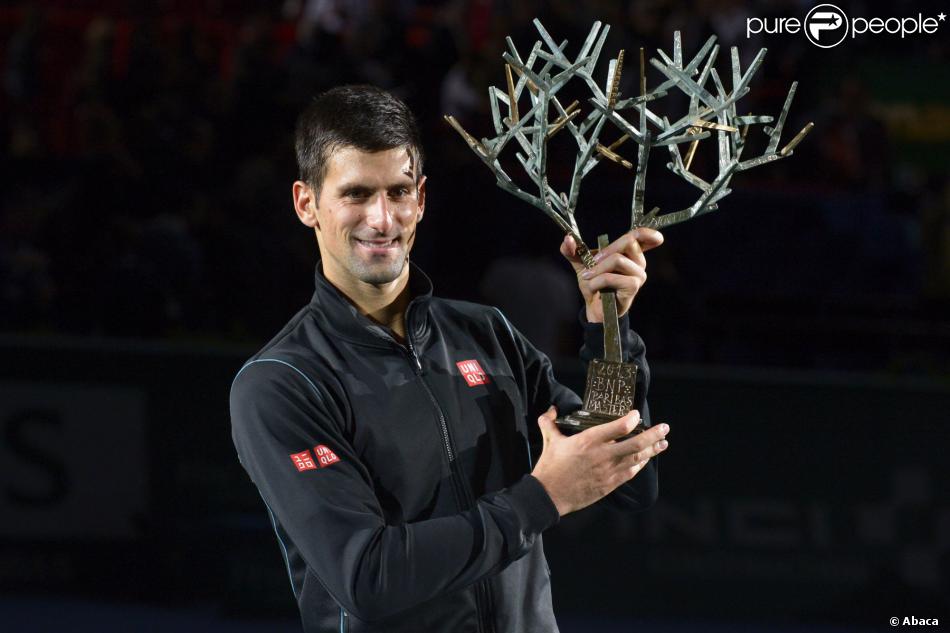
<point x="611" y="383"/>
<point x="608" y="298"/>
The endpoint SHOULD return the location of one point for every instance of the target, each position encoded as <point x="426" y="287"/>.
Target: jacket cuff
<point x="533" y="505"/>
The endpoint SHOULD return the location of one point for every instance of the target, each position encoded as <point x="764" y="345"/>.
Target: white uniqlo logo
<point x="473" y="373"/>
<point x="325" y="456"/>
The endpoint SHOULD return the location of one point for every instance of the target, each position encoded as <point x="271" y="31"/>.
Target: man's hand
<point x="621" y="267"/>
<point x="578" y="470"/>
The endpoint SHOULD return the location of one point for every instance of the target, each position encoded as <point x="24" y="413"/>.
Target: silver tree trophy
<point x="611" y="382"/>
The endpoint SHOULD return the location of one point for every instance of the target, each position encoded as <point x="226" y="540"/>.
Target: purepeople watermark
<point x="826" y="26"/>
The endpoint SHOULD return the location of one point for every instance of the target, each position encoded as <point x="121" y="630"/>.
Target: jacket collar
<point x="338" y="316"/>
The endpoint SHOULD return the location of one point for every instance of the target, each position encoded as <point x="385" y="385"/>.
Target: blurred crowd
<point x="146" y="160"/>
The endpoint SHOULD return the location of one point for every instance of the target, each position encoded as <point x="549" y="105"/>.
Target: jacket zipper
<point x="445" y="428"/>
<point x="482" y="595"/>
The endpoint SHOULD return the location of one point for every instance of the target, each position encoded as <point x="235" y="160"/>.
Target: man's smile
<point x="378" y="245"/>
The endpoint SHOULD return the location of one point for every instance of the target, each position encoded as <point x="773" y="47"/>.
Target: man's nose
<point x="379" y="215"/>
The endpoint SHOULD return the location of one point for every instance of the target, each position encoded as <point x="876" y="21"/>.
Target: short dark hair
<point x="361" y="116"/>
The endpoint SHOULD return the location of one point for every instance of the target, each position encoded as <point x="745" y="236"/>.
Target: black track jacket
<point x="396" y="477"/>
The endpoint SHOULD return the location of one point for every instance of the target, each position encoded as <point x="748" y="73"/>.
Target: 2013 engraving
<point x="610" y="388"/>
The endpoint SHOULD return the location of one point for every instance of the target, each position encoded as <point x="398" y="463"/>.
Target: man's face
<point x="366" y="215"/>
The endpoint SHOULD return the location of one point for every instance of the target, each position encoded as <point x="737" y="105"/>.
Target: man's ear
<point x="305" y="204"/>
<point x="422" y="198"/>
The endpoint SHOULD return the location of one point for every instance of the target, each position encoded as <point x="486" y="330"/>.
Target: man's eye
<point x="356" y="194"/>
<point x="402" y="192"/>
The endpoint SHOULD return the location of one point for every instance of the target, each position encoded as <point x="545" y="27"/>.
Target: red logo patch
<point x="325" y="456"/>
<point x="473" y="373"/>
<point x="303" y="461"/>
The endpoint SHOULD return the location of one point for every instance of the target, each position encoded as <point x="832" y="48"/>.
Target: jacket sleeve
<point x="333" y="518"/>
<point x="543" y="390"/>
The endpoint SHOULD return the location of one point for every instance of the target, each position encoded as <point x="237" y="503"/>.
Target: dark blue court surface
<point x="40" y="615"/>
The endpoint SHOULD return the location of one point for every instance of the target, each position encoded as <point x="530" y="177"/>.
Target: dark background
<point x="799" y="336"/>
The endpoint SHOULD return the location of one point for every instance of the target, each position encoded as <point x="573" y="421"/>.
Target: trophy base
<point x="582" y="420"/>
<point x="609" y="395"/>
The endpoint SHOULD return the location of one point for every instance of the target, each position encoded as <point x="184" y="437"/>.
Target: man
<point x="392" y="434"/>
